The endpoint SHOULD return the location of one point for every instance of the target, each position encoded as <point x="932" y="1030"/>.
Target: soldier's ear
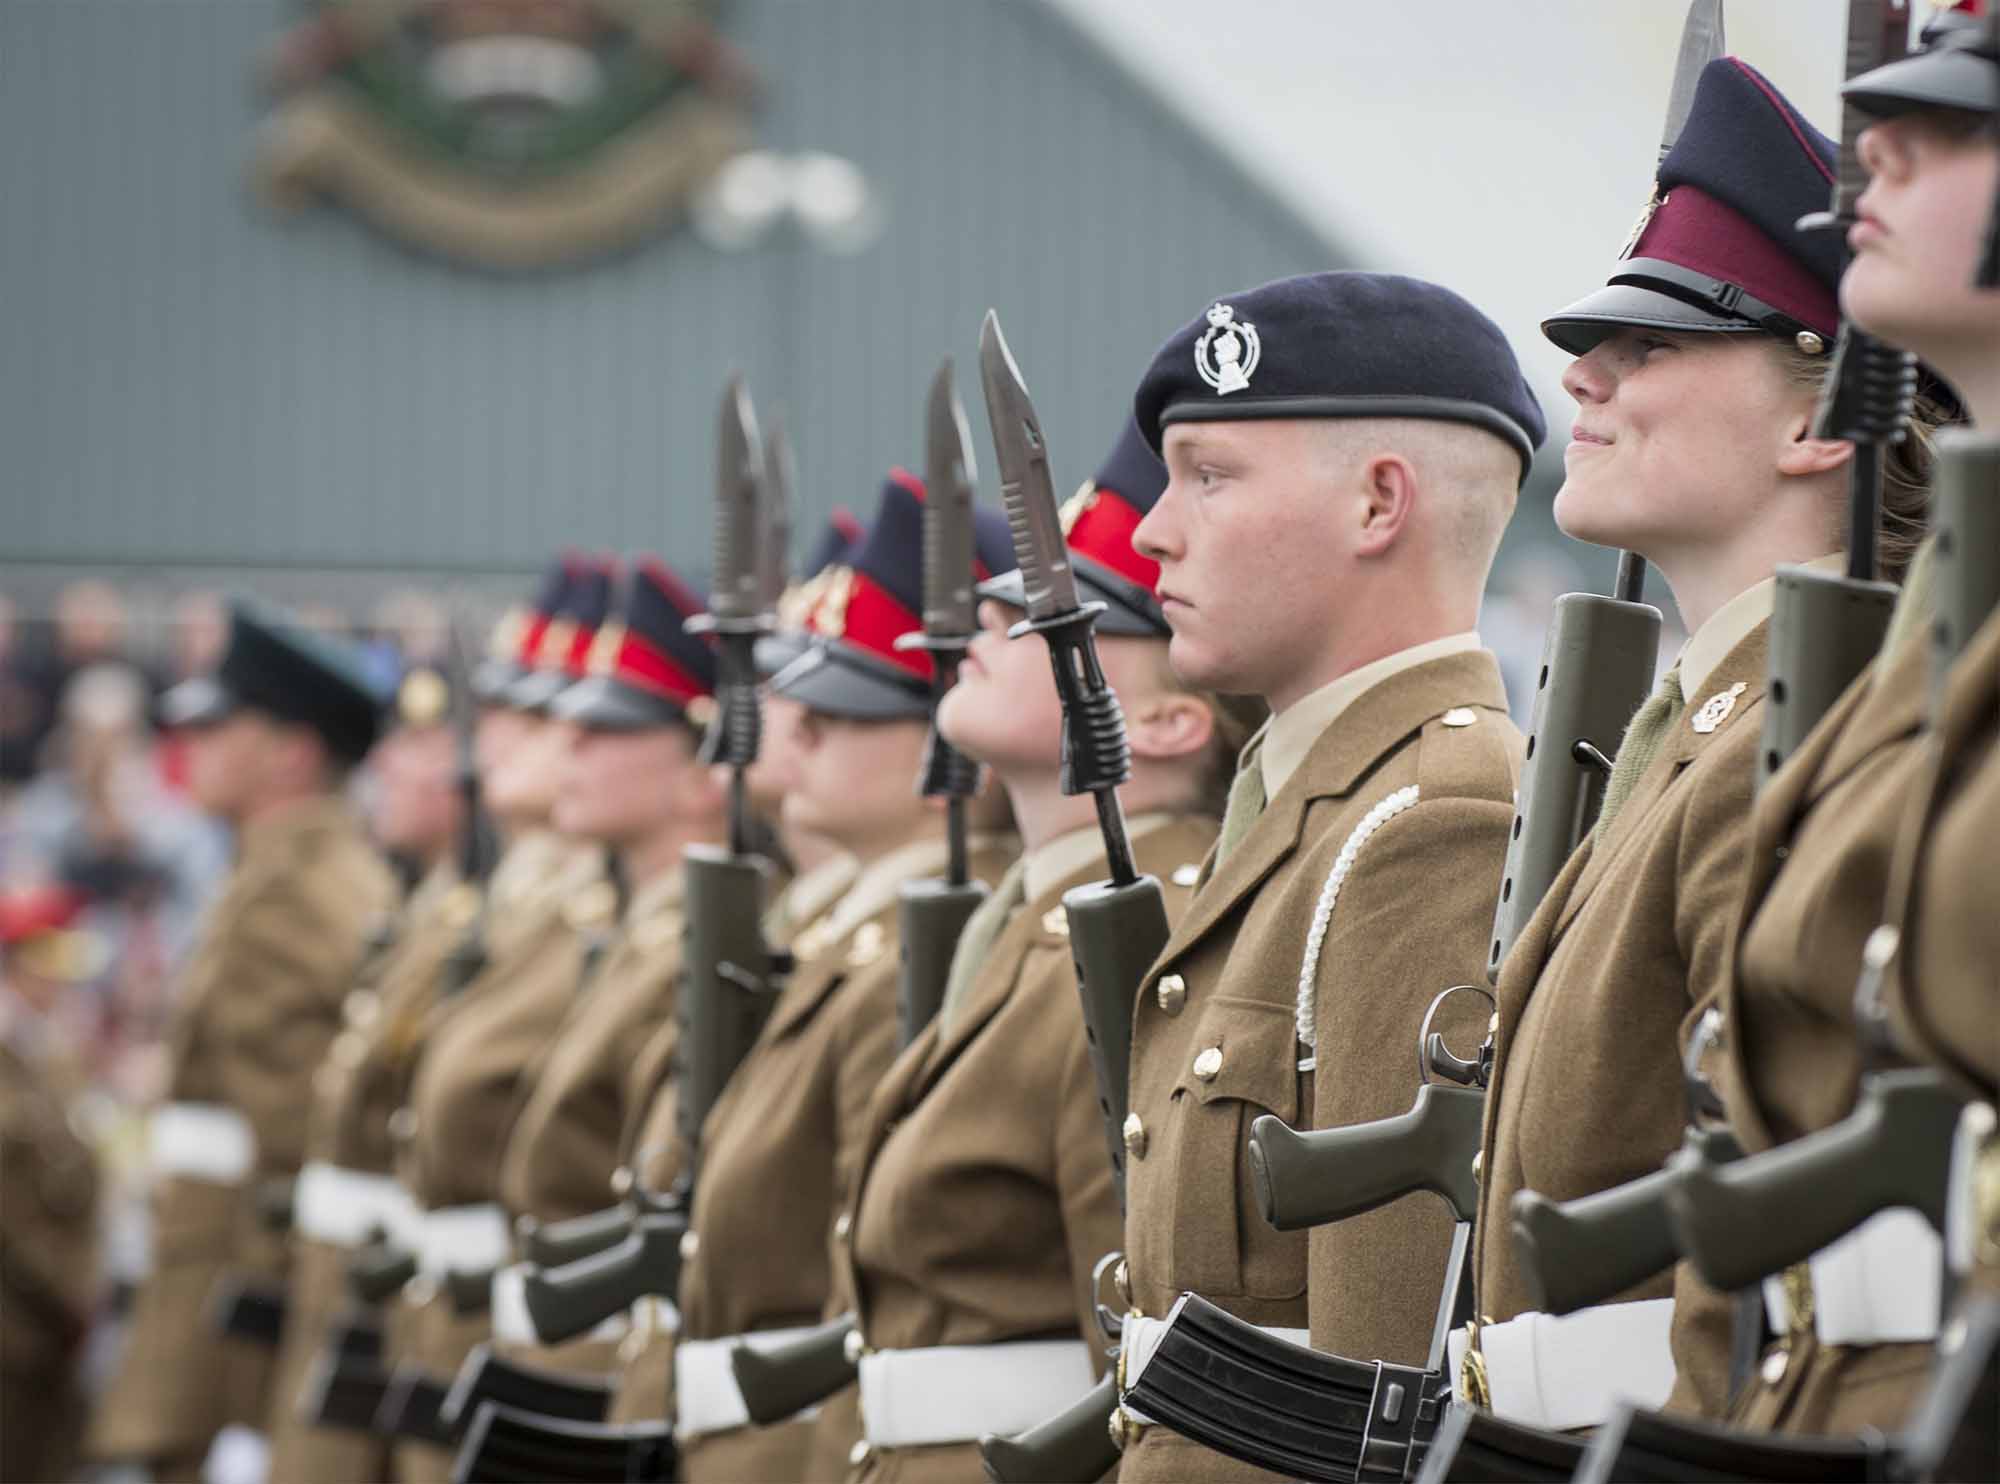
<point x="1388" y="496"/>
<point x="1169" y="725"/>
<point x="1802" y="455"/>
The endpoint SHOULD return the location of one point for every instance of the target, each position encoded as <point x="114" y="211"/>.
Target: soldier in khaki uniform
<point x="346" y="1191"/>
<point x="781" y="1145"/>
<point x="631" y="783"/>
<point x="49" y="1276"/>
<point x="1693" y="447"/>
<point x="550" y="901"/>
<point x="272" y="735"/>
<point x="1329" y="558"/>
<point x="985" y="1198"/>
<point x="1826" y="830"/>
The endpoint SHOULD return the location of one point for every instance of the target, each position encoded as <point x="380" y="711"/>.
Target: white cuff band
<point x="1569" y="1372"/>
<point x="959" y="1393"/>
<point x="462" y="1239"/>
<point x="332" y="1203"/>
<point x="1880" y="1284"/>
<point x="202" y="1141"/>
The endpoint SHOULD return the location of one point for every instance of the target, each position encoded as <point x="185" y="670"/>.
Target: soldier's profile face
<point x="618" y="786"/>
<point x="1004" y="710"/>
<point x="417" y="804"/>
<point x="226" y="763"/>
<point x="1676" y="439"/>
<point x="853" y="782"/>
<point x="1249" y="538"/>
<point x="1922" y="222"/>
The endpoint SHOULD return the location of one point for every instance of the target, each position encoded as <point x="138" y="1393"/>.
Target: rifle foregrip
<point x="930" y="914"/>
<point x="1310" y="1179"/>
<point x="1073" y="1444"/>
<point x="721" y="1005"/>
<point x="1965" y="512"/>
<point x="784" y="1381"/>
<point x="376" y="1273"/>
<point x="1115" y="934"/>
<point x="558" y="1243"/>
<point x="1597" y="666"/>
<point x="1825" y="628"/>
<point x="1742" y="1222"/>
<point x="572" y="1300"/>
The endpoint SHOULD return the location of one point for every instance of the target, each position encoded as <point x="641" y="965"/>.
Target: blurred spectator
<point x="198" y="628"/>
<point x="24" y="702"/>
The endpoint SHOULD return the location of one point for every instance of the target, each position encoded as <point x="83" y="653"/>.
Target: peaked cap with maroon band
<point x="1719" y="253"/>
<point x="1098" y="522"/>
<point x="775" y="651"/>
<point x="871" y="599"/>
<point x="644" y="669"/>
<point x="564" y="647"/>
<point x="510" y="652"/>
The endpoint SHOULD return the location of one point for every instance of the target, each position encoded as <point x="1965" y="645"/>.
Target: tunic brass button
<point x="854" y="1347"/>
<point x="1055" y="922"/>
<point x="1479" y="1165"/>
<point x="842" y="1225"/>
<point x="1171" y="992"/>
<point x="1208" y="1064"/>
<point x="1135" y="1136"/>
<point x="1186" y="874"/>
<point x="1123" y="1429"/>
<point x="690" y="1245"/>
<point x="858" y="1454"/>
<point x="1459" y="716"/>
<point x="1493" y="1024"/>
<point x="621" y="1181"/>
<point x="1775" y="1364"/>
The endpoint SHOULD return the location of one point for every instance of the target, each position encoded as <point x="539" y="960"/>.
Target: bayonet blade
<point x="1878" y="31"/>
<point x="775" y="549"/>
<point x="1025" y="484"/>
<point x="736" y="594"/>
<point x="948" y="494"/>
<point x="1702" y="42"/>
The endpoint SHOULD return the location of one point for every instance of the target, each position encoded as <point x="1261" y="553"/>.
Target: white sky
<point x="1501" y="147"/>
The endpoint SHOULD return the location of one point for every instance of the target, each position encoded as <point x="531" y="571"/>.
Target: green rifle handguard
<point x="931" y="914"/>
<point x="1581" y="1252"/>
<point x="1310" y="1179"/>
<point x="783" y="1381"/>
<point x="1115" y="934"/>
<point x="725" y="992"/>
<point x="1074" y="1444"/>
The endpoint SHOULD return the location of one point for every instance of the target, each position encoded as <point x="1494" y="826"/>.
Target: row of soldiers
<point x="517" y="1208"/>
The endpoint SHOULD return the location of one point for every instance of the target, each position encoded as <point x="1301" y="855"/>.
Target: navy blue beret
<point x="1326" y="345"/>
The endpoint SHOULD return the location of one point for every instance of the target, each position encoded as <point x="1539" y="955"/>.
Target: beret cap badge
<point x="1227" y="353"/>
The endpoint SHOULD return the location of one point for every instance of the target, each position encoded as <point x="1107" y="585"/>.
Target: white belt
<point x="705" y="1393"/>
<point x="1966" y="1226"/>
<point x="1879" y="1284"/>
<point x="1569" y="1372"/>
<point x="514" y="1325"/>
<point x="959" y="1393"/>
<point x="204" y="1141"/>
<point x="462" y="1239"/>
<point x="1139" y="1340"/>
<point x="332" y="1203"/>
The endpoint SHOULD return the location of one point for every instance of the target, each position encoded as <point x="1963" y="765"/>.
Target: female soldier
<point x="1825" y="830"/>
<point x="1695" y="380"/>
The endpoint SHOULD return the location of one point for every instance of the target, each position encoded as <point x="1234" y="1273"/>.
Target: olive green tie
<point x="1645" y="736"/>
<point x="1246" y="802"/>
<point x="988" y="921"/>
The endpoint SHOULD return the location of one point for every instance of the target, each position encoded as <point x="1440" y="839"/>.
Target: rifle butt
<point x="1578" y="1253"/>
<point x="556" y="1244"/>
<point x="1825" y="628"/>
<point x="931" y="914"/>
<point x="722" y="1003"/>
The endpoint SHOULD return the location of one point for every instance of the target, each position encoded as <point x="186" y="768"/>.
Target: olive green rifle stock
<point x="555" y="1244"/>
<point x="784" y="1380"/>
<point x="1423" y="1149"/>
<point x="930" y="915"/>
<point x="726" y="990"/>
<point x="573" y="1299"/>
<point x="1965" y="514"/>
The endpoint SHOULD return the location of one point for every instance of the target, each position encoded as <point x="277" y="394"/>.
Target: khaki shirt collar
<point x="875" y="886"/>
<point x="1290" y="734"/>
<point x="812" y="893"/>
<point x="1731" y="624"/>
<point x="1048" y="866"/>
<point x="661" y="894"/>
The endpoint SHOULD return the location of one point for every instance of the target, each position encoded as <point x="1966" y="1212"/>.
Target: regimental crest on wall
<point x="504" y="133"/>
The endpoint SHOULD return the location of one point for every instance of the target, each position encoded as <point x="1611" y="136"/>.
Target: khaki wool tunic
<point x="362" y="1082"/>
<point x="1417" y="774"/>
<point x="652" y="1144"/>
<point x="1947" y="994"/>
<point x="258" y="1007"/>
<point x="567" y="1140"/>
<point x="1790" y="1062"/>
<point x="49" y="1278"/>
<point x="468" y="1086"/>
<point x="781" y="1148"/>
<point x="987" y="1197"/>
<point x="1587" y="1089"/>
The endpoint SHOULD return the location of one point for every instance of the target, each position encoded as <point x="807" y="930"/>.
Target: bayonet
<point x="949" y="475"/>
<point x="1987" y="274"/>
<point x="1025" y="484"/>
<point x="1702" y="41"/>
<point x="774" y="549"/>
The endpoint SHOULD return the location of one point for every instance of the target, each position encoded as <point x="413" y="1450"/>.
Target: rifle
<point x="932" y="913"/>
<point x="1637" y="1446"/>
<point x="488" y="1377"/>
<point x="1826" y="628"/>
<point x="1118" y="926"/>
<point x="506" y="1446"/>
<point x="344" y="1385"/>
<point x="1987" y="275"/>
<point x="478" y="837"/>
<point x="1965" y="514"/>
<point x="251" y="1309"/>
